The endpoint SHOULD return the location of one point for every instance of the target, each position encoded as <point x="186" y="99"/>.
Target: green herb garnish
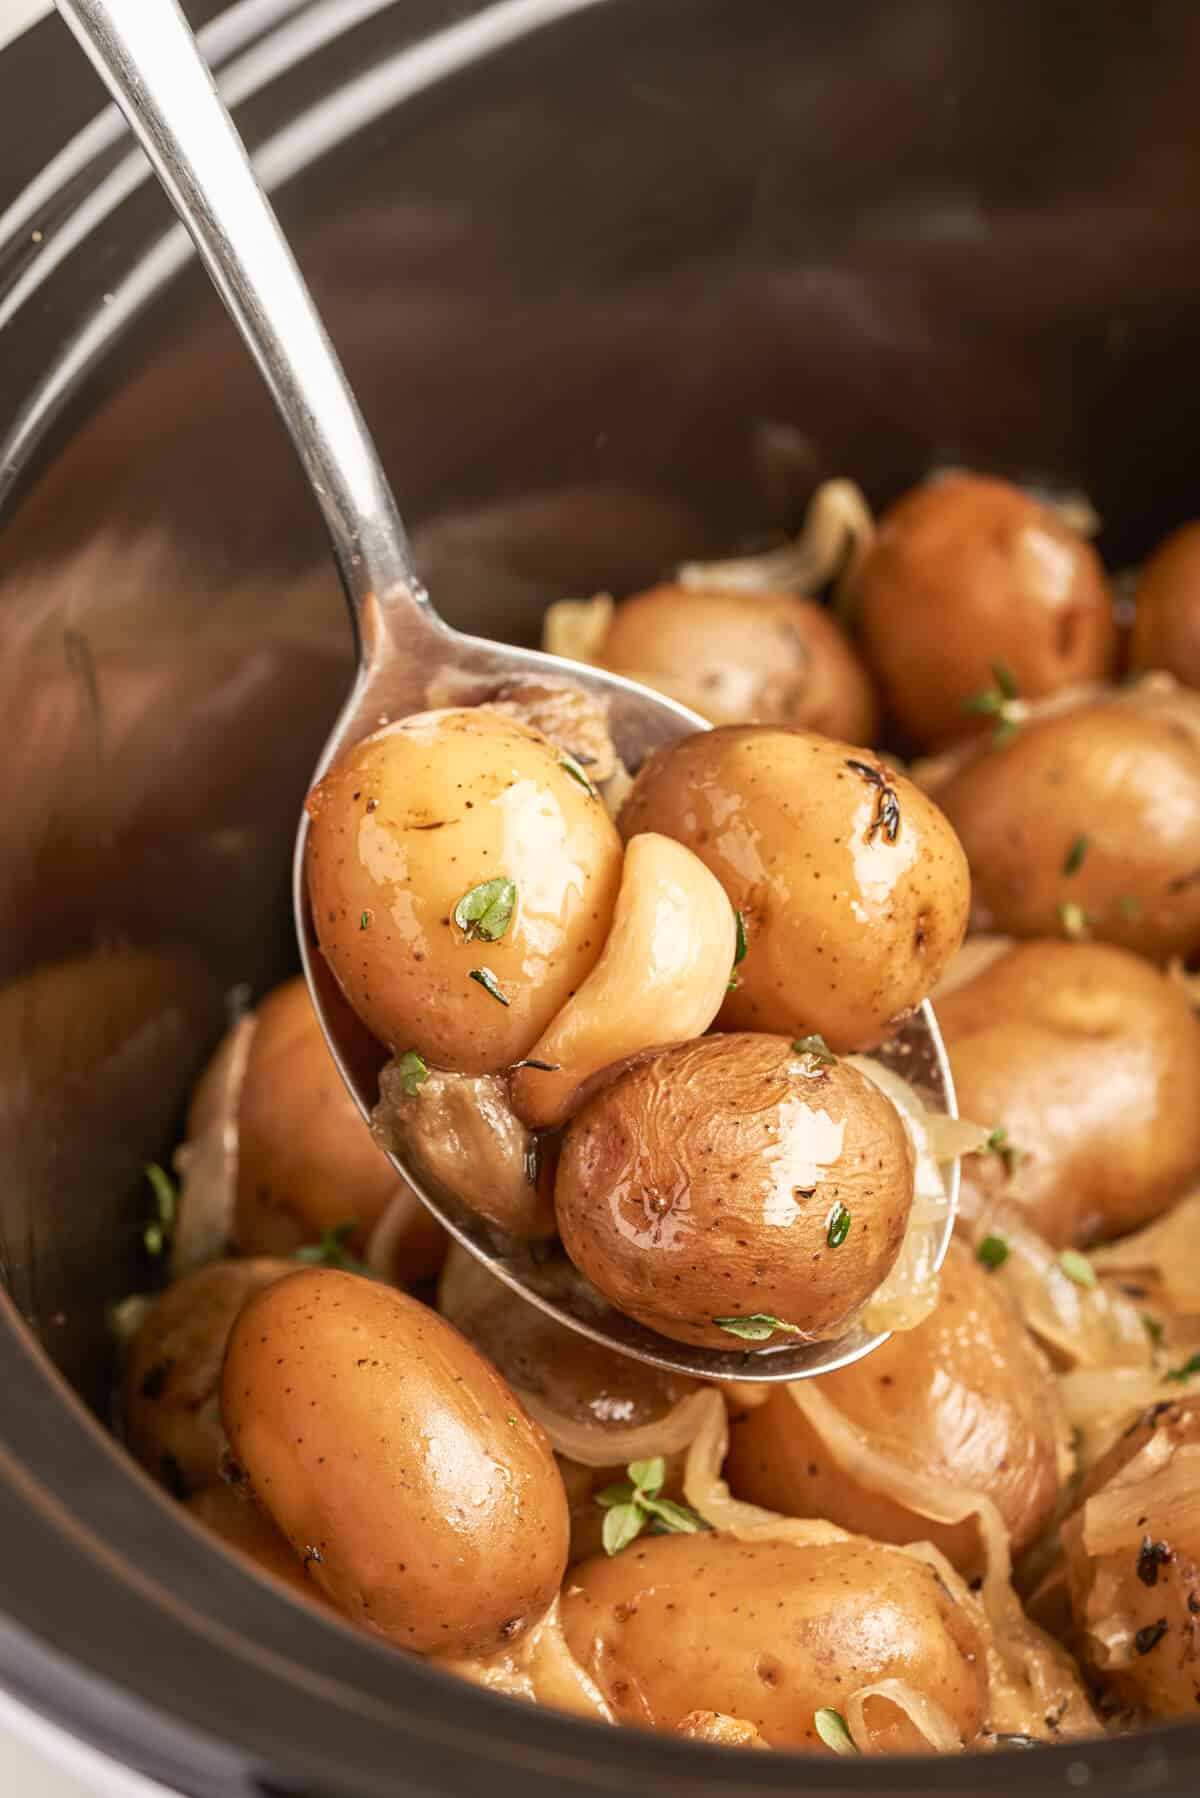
<point x="157" y="1232"/>
<point x="839" y="1226"/>
<point x="993" y="1251"/>
<point x="739" y="948"/>
<point x="1129" y="906"/>
<point x="1180" y="1374"/>
<point x="487" y="980"/>
<point x="577" y="774"/>
<point x="487" y="910"/>
<point x="1001" y="701"/>
<point x="1075" y="855"/>
<point x="1074" y="920"/>
<point x="364" y="920"/>
<point x="887" y="803"/>
<point x="756" y="1328"/>
<point x="834" y="1731"/>
<point x="412" y="1071"/>
<point x="1077" y="1267"/>
<point x="1153" y="1329"/>
<point x="634" y="1503"/>
<point x="815" y="1051"/>
<point x="331" y="1251"/>
<point x="998" y="1144"/>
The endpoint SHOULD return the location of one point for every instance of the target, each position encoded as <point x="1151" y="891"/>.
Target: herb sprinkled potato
<point x="395" y="1459"/>
<point x="852" y="887"/>
<point x="965" y="572"/>
<point x="462" y="873"/>
<point x="737" y="1190"/>
<point x="1087" y="1059"/>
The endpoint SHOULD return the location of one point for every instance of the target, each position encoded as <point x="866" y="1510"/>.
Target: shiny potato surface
<point x="1132" y="1551"/>
<point x="966" y="571"/>
<point x="771" y="1632"/>
<point x="737" y="658"/>
<point x="1166" y="622"/>
<point x="172" y="1372"/>
<point x="1090" y="1060"/>
<point x="852" y="887"/>
<point x="1089" y="819"/>
<point x="963" y="1400"/>
<point x="374" y="1434"/>
<point x="732" y="1177"/>
<point x="409" y="825"/>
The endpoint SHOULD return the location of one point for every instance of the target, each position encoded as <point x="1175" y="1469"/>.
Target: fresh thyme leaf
<point x="331" y="1251"/>
<point x="364" y="920"/>
<point x="1005" y="679"/>
<point x="839" y="1226"/>
<point x="648" y="1476"/>
<point x="834" y="1731"/>
<point x="577" y="774"/>
<point x="154" y="1239"/>
<point x="1076" y="855"/>
<point x="1077" y="1267"/>
<point x="815" y="1052"/>
<point x="757" y="1327"/>
<point x="412" y="1071"/>
<point x="674" y="1520"/>
<point x="619" y="1494"/>
<point x="487" y="910"/>
<point x="1001" y="701"/>
<point x="1153" y="1329"/>
<point x="622" y="1525"/>
<point x="1180" y="1374"/>
<point x="487" y="980"/>
<point x="165" y="1195"/>
<point x="1074" y="920"/>
<point x="998" y="1144"/>
<point x="739" y="951"/>
<point x="993" y="1251"/>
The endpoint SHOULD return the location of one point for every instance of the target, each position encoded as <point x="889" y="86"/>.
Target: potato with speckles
<point x="965" y="572"/>
<point x="172" y="1371"/>
<point x="735" y="1177"/>
<point x="964" y="1400"/>
<point x="372" y="1432"/>
<point x="462" y="881"/>
<point x="853" y="888"/>
<point x="772" y="1632"/>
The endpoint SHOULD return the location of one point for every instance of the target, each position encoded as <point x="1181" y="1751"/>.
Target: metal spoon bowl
<point x="149" y="60"/>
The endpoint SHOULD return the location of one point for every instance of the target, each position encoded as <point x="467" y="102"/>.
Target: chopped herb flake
<point x="1150" y="1636"/>
<point x="412" y="1071"/>
<point x="1151" y="1556"/>
<point x="1153" y="1329"/>
<point x="834" y="1731"/>
<point x="1180" y="1374"/>
<point x="739" y="951"/>
<point x="815" y="1052"/>
<point x="1075" y="856"/>
<point x="756" y="1328"/>
<point x="838" y="1227"/>
<point x="165" y="1196"/>
<point x="364" y="920"/>
<point x="1077" y="1267"/>
<point x="998" y="1144"/>
<point x="1001" y="701"/>
<point x="1074" y="920"/>
<point x="331" y="1251"/>
<point x="577" y="774"/>
<point x="993" y="1251"/>
<point x="487" y="980"/>
<point x="487" y="910"/>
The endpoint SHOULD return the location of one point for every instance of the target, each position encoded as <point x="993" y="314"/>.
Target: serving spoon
<point x="146" y="55"/>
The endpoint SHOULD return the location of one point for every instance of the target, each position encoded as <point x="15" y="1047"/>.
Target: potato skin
<point x="966" y="571"/>
<point x="770" y="1632"/>
<point x="1090" y="1058"/>
<point x="1162" y="1675"/>
<point x="964" y="1398"/>
<point x="701" y="1185"/>
<point x="370" y="1430"/>
<point x="847" y="929"/>
<point x="307" y="1161"/>
<point x="1166" y="622"/>
<point x="1103" y="771"/>
<point x="409" y="822"/>
<point x="172" y="1372"/>
<point x="736" y="658"/>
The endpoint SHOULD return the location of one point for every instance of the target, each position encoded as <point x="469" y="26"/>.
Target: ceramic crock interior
<point x="617" y="281"/>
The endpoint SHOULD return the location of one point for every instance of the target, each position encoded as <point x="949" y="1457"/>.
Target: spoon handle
<point x="145" y="53"/>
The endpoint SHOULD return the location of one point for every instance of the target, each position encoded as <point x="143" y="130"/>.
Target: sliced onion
<point x="576" y="628"/>
<point x="1164" y="1476"/>
<point x="1100" y="1402"/>
<point x="207" y="1163"/>
<point x="599" y="1445"/>
<point x="976" y="954"/>
<point x="709" y="1496"/>
<point x="928" y="1718"/>
<point x="540" y="1668"/>
<point x="838" y="530"/>
<point x="1168" y="1248"/>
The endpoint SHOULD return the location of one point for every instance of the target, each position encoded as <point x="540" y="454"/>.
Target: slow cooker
<point x="618" y="282"/>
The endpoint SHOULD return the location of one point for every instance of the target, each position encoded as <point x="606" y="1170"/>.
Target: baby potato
<point x="734" y="1178"/>
<point x="1166" y="622"/>
<point x="852" y="887"/>
<point x="737" y="658"/>
<point x="306" y="1161"/>
<point x="169" y="1384"/>
<point x="772" y="1632"/>
<point x="1132" y="1554"/>
<point x="1090" y="1059"/>
<point x="1088" y="821"/>
<point x="396" y="1460"/>
<point x="462" y="873"/>
<point x="240" y="1525"/>
<point x="966" y="572"/>
<point x="963" y="1399"/>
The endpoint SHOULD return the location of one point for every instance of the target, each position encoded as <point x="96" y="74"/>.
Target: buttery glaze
<point x="853" y="890"/>
<point x="396" y="1462"/>
<point x="1166" y="623"/>
<point x="770" y="1632"/>
<point x="704" y="1184"/>
<point x="413" y="819"/>
<point x="661" y="978"/>
<point x="1123" y="774"/>
<point x="763" y="658"/>
<point x="965" y="572"/>
<point x="1091" y="1060"/>
<point x="172" y="1373"/>
<point x="964" y="1398"/>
